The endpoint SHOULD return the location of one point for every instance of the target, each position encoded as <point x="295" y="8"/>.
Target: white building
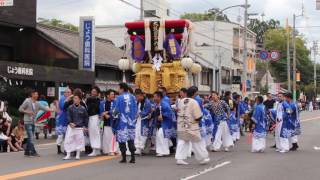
<point x="227" y="54"/>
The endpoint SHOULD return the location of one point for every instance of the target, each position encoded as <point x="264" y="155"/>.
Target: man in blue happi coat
<point x="163" y="116"/>
<point x="291" y="126"/>
<point x="125" y="112"/>
<point x="260" y="126"/>
<point x="144" y="125"/>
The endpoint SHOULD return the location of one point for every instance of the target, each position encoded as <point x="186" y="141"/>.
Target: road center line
<point x="310" y="119"/>
<point x="206" y="170"/>
<point x="55" y="168"/>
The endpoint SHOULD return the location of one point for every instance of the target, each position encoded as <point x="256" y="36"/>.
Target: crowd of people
<point x="129" y="122"/>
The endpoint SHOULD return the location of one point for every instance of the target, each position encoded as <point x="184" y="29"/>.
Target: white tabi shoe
<point x="181" y="162"/>
<point x="226" y="149"/>
<point x="205" y="161"/>
<point x="67" y="157"/>
<point x="283" y="151"/>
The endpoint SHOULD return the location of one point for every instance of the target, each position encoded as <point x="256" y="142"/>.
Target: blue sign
<point x="87" y="44"/>
<point x="248" y="84"/>
<point x="264" y="55"/>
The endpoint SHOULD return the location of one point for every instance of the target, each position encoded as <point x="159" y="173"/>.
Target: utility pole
<point x="288" y="56"/>
<point x="315" y="52"/>
<point x="245" y="53"/>
<point x="294" y="59"/>
<point x="141" y="10"/>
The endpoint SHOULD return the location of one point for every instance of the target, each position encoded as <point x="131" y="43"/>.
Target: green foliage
<point x="206" y="16"/>
<point x="58" y="23"/>
<point x="277" y="39"/>
<point x="260" y="27"/>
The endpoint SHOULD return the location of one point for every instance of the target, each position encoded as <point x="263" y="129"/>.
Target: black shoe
<point x="133" y="159"/>
<point x="59" y="149"/>
<point x="274" y="146"/>
<point x="124" y="158"/>
<point x="294" y="147"/>
<point x="37" y="135"/>
<point x="35" y="154"/>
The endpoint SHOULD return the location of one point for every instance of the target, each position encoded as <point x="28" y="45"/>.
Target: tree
<point x="57" y="23"/>
<point x="260" y="27"/>
<point x="206" y="16"/>
<point x="277" y="39"/>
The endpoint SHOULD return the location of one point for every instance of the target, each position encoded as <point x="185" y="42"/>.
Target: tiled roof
<point x="106" y="53"/>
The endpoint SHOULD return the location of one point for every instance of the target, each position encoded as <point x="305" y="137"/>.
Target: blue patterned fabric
<point x="167" y="123"/>
<point x="260" y="119"/>
<point x="234" y="123"/>
<point x="61" y="119"/>
<point x="291" y="123"/>
<point x="125" y="112"/>
<point x="147" y="124"/>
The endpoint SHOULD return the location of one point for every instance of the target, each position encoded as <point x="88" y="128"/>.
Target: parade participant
<point x="93" y="106"/>
<point x="165" y="98"/>
<point x="144" y="125"/>
<point x="108" y="138"/>
<point x="269" y="103"/>
<point x="260" y="126"/>
<point x="221" y="112"/>
<point x="30" y="107"/>
<point x="189" y="115"/>
<point x="163" y="117"/>
<point x="296" y="120"/>
<point x="125" y="112"/>
<point x="62" y="120"/>
<point x="290" y="115"/>
<point x="279" y="117"/>
<point x="77" y="124"/>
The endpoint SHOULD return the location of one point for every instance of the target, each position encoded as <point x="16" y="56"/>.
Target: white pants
<point x="284" y="144"/>
<point x="223" y="137"/>
<point x="74" y="140"/>
<point x="277" y="132"/>
<point x="236" y="136"/>
<point x="199" y="149"/>
<point x="109" y="144"/>
<point x="293" y="139"/>
<point x="258" y="144"/>
<point x="139" y="141"/>
<point x="94" y="132"/>
<point x="162" y="144"/>
<point x="60" y="140"/>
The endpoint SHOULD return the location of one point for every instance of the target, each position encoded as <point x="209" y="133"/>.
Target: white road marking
<point x="316" y="148"/>
<point x="206" y="170"/>
<point x="47" y="144"/>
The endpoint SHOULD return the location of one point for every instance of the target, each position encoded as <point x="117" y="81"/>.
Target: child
<point x="17" y="136"/>
<point x="77" y="123"/>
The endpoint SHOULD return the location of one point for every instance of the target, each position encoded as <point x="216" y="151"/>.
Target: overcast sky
<point x="111" y="12"/>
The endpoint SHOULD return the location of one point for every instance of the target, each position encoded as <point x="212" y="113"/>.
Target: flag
<point x="287" y="26"/>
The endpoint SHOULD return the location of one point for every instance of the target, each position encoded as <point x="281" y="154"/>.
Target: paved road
<point x="238" y="164"/>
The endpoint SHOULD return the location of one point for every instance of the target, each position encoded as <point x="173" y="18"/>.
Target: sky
<point x="115" y="12"/>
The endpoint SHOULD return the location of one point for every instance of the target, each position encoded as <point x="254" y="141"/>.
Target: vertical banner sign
<point x="87" y="44"/>
<point x="6" y="2"/>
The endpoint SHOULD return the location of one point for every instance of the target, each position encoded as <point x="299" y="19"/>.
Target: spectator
<point x="17" y="136"/>
<point x="52" y="118"/>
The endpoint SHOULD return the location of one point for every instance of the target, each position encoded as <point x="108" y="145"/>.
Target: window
<point x="205" y="77"/>
<point x="225" y="76"/>
<point x="168" y="12"/>
<point x="149" y="13"/>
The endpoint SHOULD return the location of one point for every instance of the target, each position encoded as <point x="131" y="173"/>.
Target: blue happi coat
<point x="291" y="123"/>
<point x="102" y="110"/>
<point x="167" y="122"/>
<point x="206" y="123"/>
<point x="233" y="121"/>
<point x="147" y="124"/>
<point x="125" y="112"/>
<point x="61" y="119"/>
<point x="260" y="119"/>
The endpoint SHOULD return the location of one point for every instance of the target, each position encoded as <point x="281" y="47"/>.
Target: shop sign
<point x="20" y="70"/>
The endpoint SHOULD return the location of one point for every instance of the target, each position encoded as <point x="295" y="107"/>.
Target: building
<point x="156" y="8"/>
<point x="46" y="58"/>
<point x="226" y="58"/>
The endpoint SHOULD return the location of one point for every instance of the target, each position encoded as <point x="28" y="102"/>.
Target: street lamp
<point x="217" y="13"/>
